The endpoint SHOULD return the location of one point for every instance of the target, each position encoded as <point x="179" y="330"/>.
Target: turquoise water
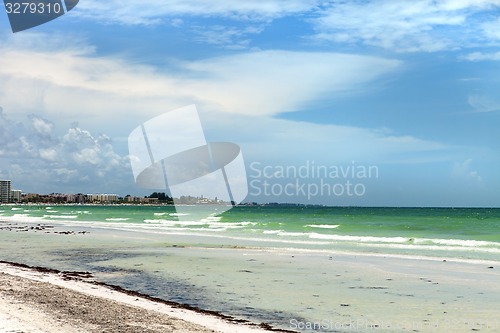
<point x="470" y="233"/>
<point x="280" y="265"/>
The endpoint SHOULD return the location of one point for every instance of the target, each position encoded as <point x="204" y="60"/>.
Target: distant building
<point x="5" y="191"/>
<point x="15" y="195"/>
<point x="101" y="198"/>
<point x="132" y="199"/>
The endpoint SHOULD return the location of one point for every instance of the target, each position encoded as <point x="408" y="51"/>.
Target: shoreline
<point x="185" y="318"/>
<point x="291" y="289"/>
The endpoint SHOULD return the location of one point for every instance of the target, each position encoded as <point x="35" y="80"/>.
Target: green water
<point x="457" y="232"/>
<point x="275" y="264"/>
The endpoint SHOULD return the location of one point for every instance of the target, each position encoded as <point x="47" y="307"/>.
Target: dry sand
<point x="33" y="301"/>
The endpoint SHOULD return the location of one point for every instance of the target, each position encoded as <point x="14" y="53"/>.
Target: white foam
<point x="456" y="242"/>
<point x="159" y="214"/>
<point x="22" y="218"/>
<point x="437" y="248"/>
<point x="176" y="223"/>
<point x="323" y="226"/>
<point x="83" y="212"/>
<point x="118" y="219"/>
<point x="293" y="234"/>
<point x="363" y="239"/>
<point x="272" y="232"/>
<point x="212" y="219"/>
<point x="60" y="216"/>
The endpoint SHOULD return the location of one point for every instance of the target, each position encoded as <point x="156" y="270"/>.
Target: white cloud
<point x="76" y="161"/>
<point x="42" y="126"/>
<point x="272" y="82"/>
<point x="278" y="140"/>
<point x="69" y="83"/>
<point x="464" y="172"/>
<point x="404" y="26"/>
<point x="49" y="154"/>
<point x="484" y="103"/>
<point x="481" y="56"/>
<point x="232" y="38"/>
<point x="154" y="11"/>
<point x="492" y="29"/>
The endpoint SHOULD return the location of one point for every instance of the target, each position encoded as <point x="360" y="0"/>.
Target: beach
<point x="44" y="301"/>
<point x="256" y="279"/>
<point x="458" y="297"/>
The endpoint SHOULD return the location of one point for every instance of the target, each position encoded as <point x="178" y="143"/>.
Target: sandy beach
<point x="38" y="301"/>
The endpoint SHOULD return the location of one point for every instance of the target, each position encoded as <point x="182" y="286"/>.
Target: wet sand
<point x="47" y="301"/>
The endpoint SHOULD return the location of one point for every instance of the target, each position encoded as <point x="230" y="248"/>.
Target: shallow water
<point x="302" y="284"/>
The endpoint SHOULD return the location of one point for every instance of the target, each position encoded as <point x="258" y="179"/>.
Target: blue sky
<point x="410" y="87"/>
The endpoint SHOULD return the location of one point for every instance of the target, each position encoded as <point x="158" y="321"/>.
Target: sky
<point x="408" y="90"/>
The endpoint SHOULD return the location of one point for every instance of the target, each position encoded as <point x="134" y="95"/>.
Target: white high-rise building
<point x="15" y="195"/>
<point x="5" y="191"/>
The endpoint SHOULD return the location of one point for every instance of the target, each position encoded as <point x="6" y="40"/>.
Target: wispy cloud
<point x="233" y="38"/>
<point x="401" y="26"/>
<point x="156" y="11"/>
<point x="271" y="139"/>
<point x="70" y="82"/>
<point x="482" y="56"/>
<point x="463" y="171"/>
<point x="484" y="103"/>
<point x="404" y="26"/>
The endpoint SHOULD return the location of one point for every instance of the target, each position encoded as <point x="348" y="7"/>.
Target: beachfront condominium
<point x="5" y="191"/>
<point x="16" y="195"/>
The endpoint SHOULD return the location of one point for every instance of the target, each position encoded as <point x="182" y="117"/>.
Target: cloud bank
<point x="34" y="155"/>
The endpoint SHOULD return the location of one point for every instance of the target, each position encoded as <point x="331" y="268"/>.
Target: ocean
<point x="469" y="233"/>
<point x="281" y="265"/>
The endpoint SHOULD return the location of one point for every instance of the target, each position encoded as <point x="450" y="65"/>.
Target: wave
<point x="457" y="242"/>
<point x="222" y="226"/>
<point x="175" y="223"/>
<point x="417" y="242"/>
<point x="323" y="226"/>
<point x="364" y="239"/>
<point x="212" y="219"/>
<point x="22" y="218"/>
<point x="60" y="216"/>
<point x="118" y="219"/>
<point x="437" y="248"/>
<point x="82" y="212"/>
<point x="272" y="232"/>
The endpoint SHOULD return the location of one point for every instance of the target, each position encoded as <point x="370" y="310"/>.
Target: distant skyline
<point x="410" y="88"/>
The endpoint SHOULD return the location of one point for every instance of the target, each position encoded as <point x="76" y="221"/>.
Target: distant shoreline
<point x="247" y="204"/>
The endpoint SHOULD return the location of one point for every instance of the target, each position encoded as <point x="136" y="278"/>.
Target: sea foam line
<point x="60" y="216"/>
<point x="323" y="226"/>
